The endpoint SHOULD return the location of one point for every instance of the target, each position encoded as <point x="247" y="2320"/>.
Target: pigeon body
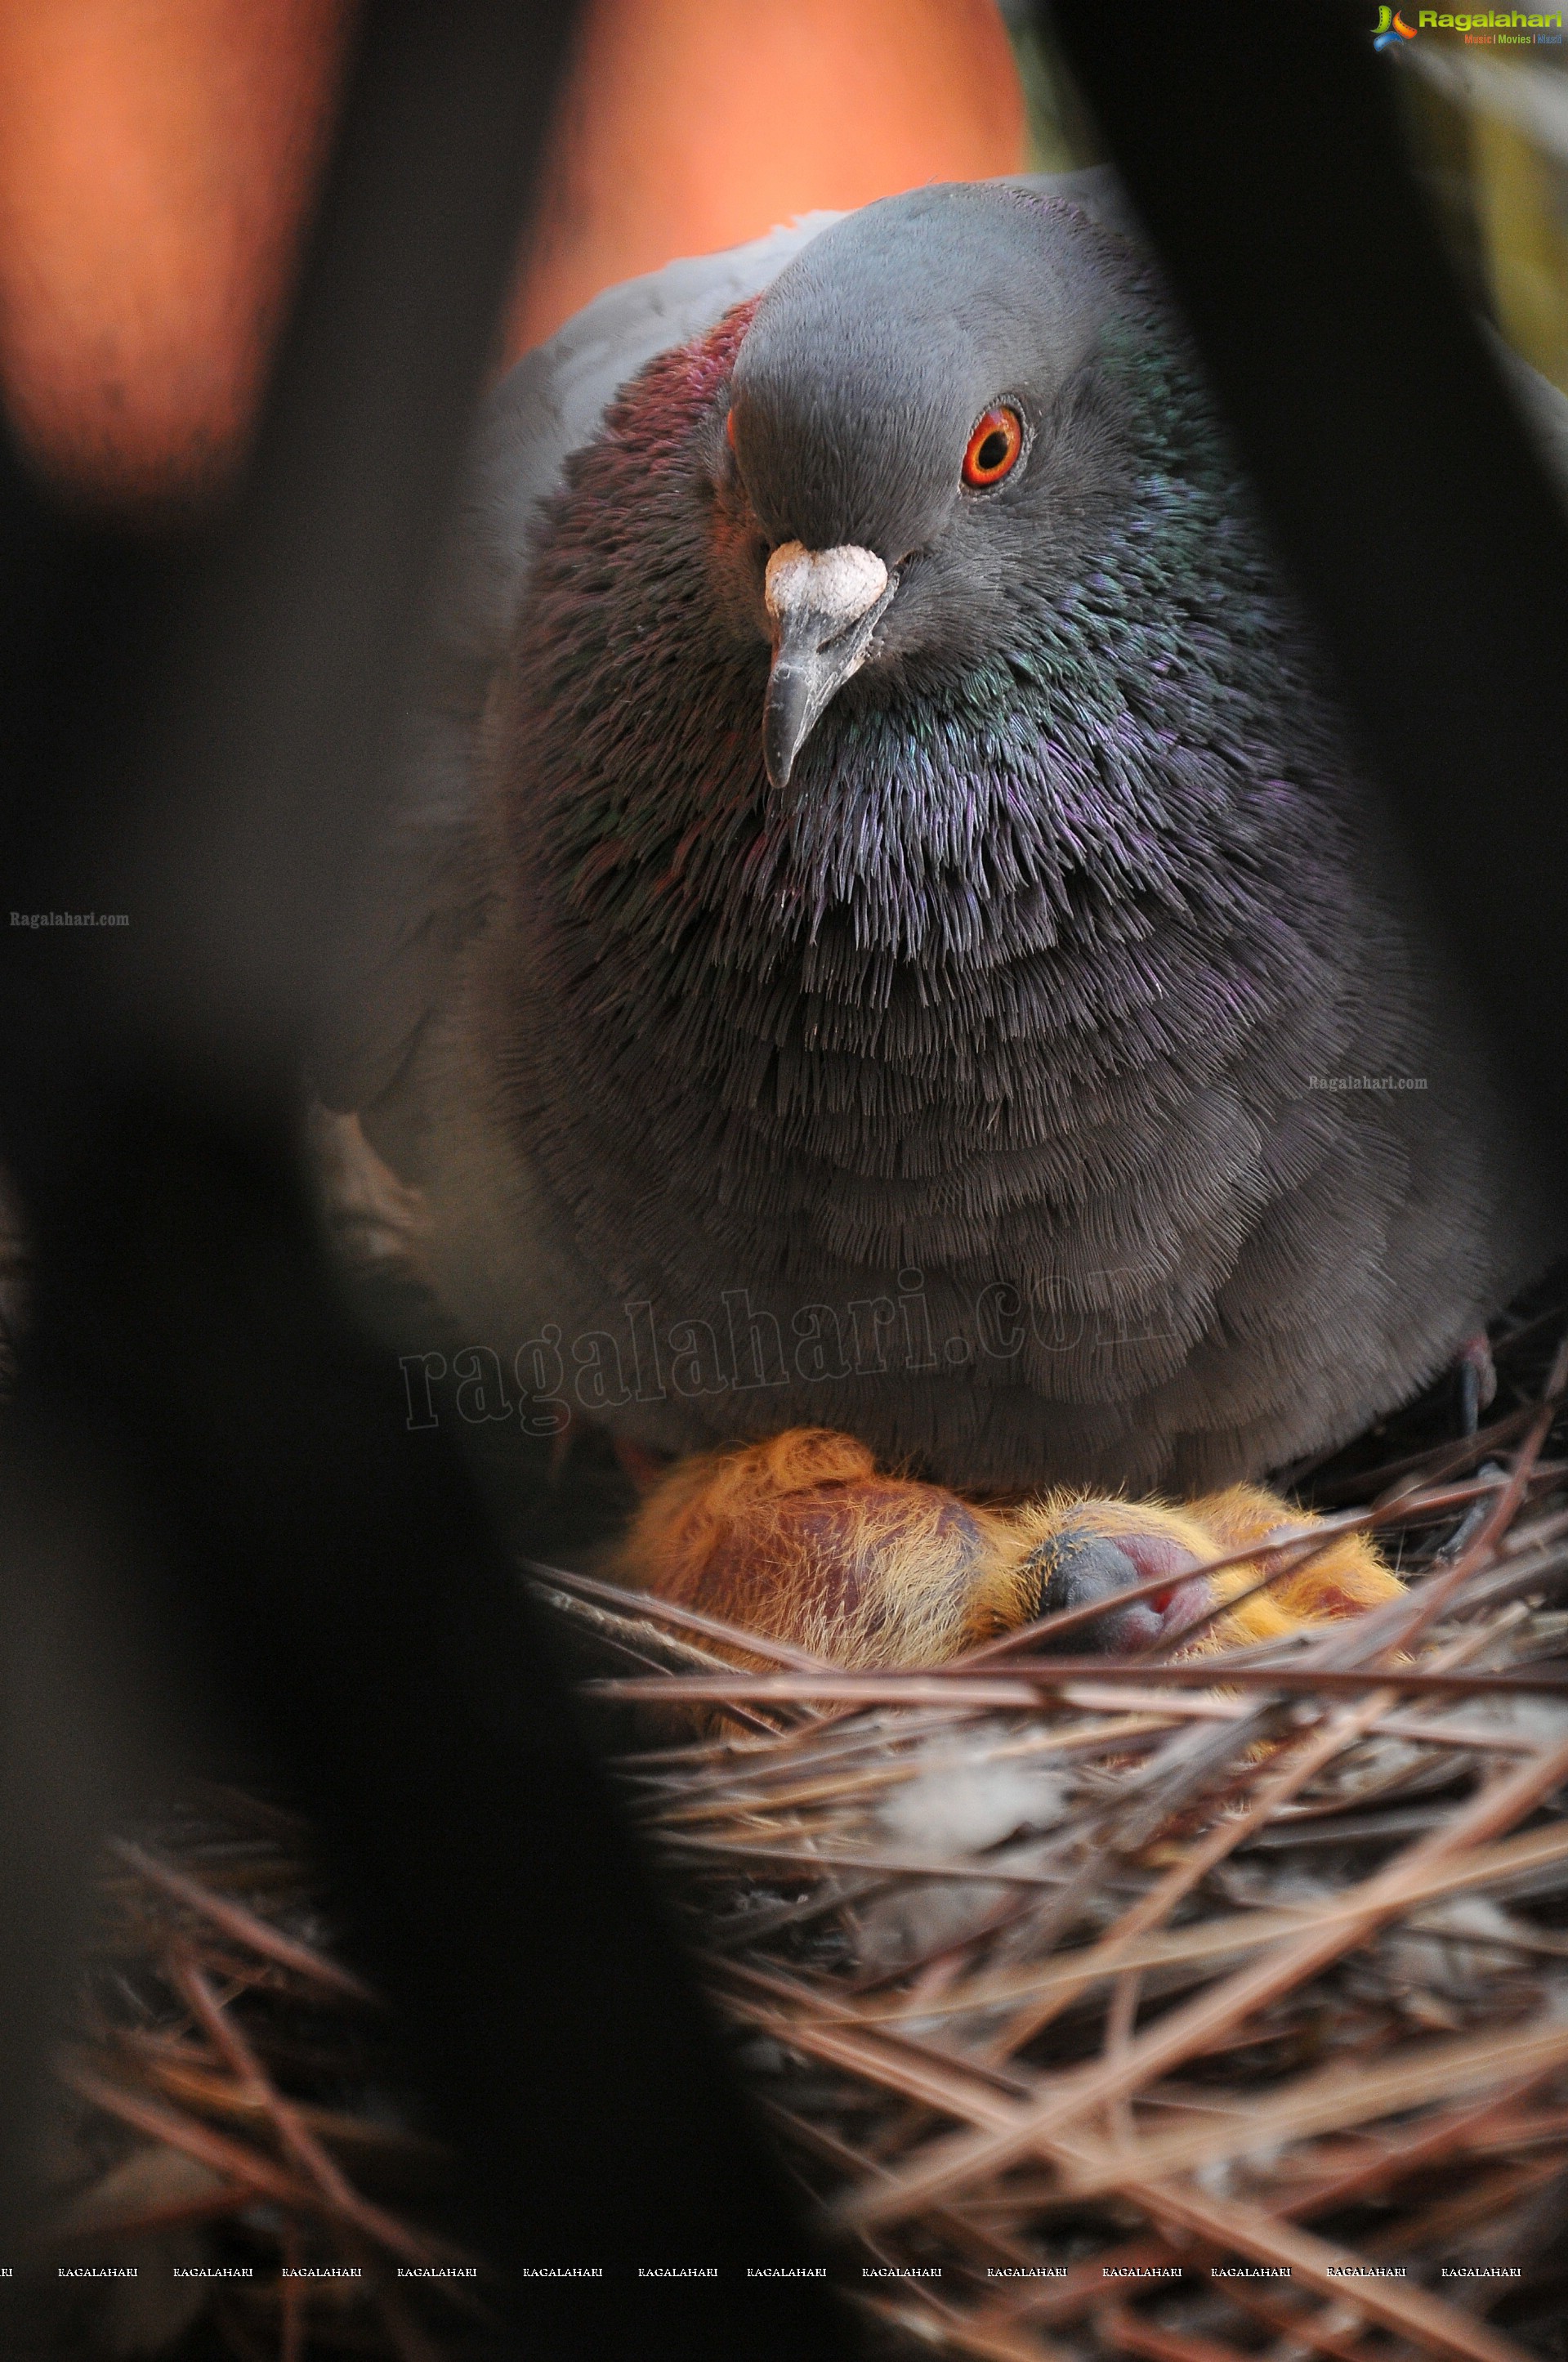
<point x="884" y="930"/>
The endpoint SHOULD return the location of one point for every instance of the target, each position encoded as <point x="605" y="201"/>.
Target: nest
<point x="1179" y="2006"/>
<point x="227" y="2120"/>
<point x="1187" y="2007"/>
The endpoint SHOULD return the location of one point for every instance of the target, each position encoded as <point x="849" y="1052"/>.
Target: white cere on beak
<point x="833" y="586"/>
<point x="824" y="606"/>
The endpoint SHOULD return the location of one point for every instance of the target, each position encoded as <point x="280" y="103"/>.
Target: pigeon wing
<point x="421" y="895"/>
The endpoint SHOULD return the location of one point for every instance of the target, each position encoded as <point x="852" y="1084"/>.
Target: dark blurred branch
<point x="195" y="733"/>
<point x="1417" y="517"/>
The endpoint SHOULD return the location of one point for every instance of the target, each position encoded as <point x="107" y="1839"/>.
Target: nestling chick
<point x="802" y="1538"/>
<point x="884" y="925"/>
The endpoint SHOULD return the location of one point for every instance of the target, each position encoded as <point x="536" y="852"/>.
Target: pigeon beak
<point x="824" y="606"/>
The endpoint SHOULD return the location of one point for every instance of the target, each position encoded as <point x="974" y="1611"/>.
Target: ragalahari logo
<point x="1494" y="28"/>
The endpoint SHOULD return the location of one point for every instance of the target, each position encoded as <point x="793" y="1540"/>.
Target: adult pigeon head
<point x="901" y="912"/>
<point x="938" y="548"/>
<point x="933" y="411"/>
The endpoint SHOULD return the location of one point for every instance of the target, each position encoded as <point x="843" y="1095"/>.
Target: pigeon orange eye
<point x="993" y="448"/>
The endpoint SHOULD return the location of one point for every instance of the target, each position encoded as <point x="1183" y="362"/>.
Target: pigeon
<point x="882" y="928"/>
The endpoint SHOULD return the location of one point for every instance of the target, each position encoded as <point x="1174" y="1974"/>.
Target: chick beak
<point x="824" y="606"/>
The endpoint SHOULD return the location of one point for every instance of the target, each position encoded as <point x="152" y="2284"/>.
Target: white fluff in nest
<point x="1541" y="1719"/>
<point x="953" y="1809"/>
<point x="1299" y="1888"/>
<point x="1454" y="1946"/>
<point x="1220" y="2175"/>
